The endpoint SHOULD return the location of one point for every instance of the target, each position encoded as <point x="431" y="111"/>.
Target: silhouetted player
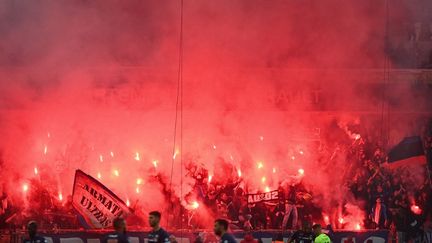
<point x="32" y="234"/>
<point x="119" y="234"/>
<point x="220" y="229"/>
<point x="305" y="235"/>
<point x="157" y="235"/>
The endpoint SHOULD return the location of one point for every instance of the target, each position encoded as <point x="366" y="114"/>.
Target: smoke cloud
<point x="92" y="85"/>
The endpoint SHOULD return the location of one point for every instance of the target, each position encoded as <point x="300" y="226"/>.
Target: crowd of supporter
<point x="389" y="199"/>
<point x="400" y="206"/>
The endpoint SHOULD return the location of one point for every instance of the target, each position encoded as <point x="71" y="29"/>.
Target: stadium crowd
<point x="390" y="201"/>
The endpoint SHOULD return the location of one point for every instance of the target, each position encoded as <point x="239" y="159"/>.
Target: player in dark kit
<point x="220" y="229"/>
<point x="32" y="233"/>
<point x="157" y="235"/>
<point x="119" y="236"/>
<point x="305" y="235"/>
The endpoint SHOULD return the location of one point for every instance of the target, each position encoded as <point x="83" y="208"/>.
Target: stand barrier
<point x="268" y="236"/>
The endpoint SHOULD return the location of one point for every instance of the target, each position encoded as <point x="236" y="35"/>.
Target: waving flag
<point x="408" y="152"/>
<point x="95" y="203"/>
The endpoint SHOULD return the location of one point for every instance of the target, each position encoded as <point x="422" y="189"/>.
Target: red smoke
<point x="92" y="85"/>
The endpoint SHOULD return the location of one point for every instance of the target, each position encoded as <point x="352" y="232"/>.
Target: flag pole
<point x="428" y="161"/>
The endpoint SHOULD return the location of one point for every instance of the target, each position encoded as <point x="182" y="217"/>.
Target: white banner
<point x="97" y="204"/>
<point x="262" y="197"/>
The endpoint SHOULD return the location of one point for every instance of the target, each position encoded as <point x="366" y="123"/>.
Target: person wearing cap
<point x="320" y="237"/>
<point x="32" y="234"/>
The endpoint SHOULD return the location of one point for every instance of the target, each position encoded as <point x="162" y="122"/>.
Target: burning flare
<point x="260" y="165"/>
<point x="137" y="156"/>
<point x="326" y="219"/>
<point x="416" y="209"/>
<point x="175" y="154"/>
<point x="195" y="205"/>
<point x="358" y="227"/>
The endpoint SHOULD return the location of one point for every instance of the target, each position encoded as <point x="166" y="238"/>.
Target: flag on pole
<point x="408" y="152"/>
<point x="95" y="203"/>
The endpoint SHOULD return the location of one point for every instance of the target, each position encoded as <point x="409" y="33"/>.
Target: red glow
<point x="326" y="219"/>
<point x="358" y="226"/>
<point x="260" y="165"/>
<point x="25" y="187"/>
<point x="195" y="205"/>
<point x="416" y="209"/>
<point x="137" y="156"/>
<point x="303" y="93"/>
